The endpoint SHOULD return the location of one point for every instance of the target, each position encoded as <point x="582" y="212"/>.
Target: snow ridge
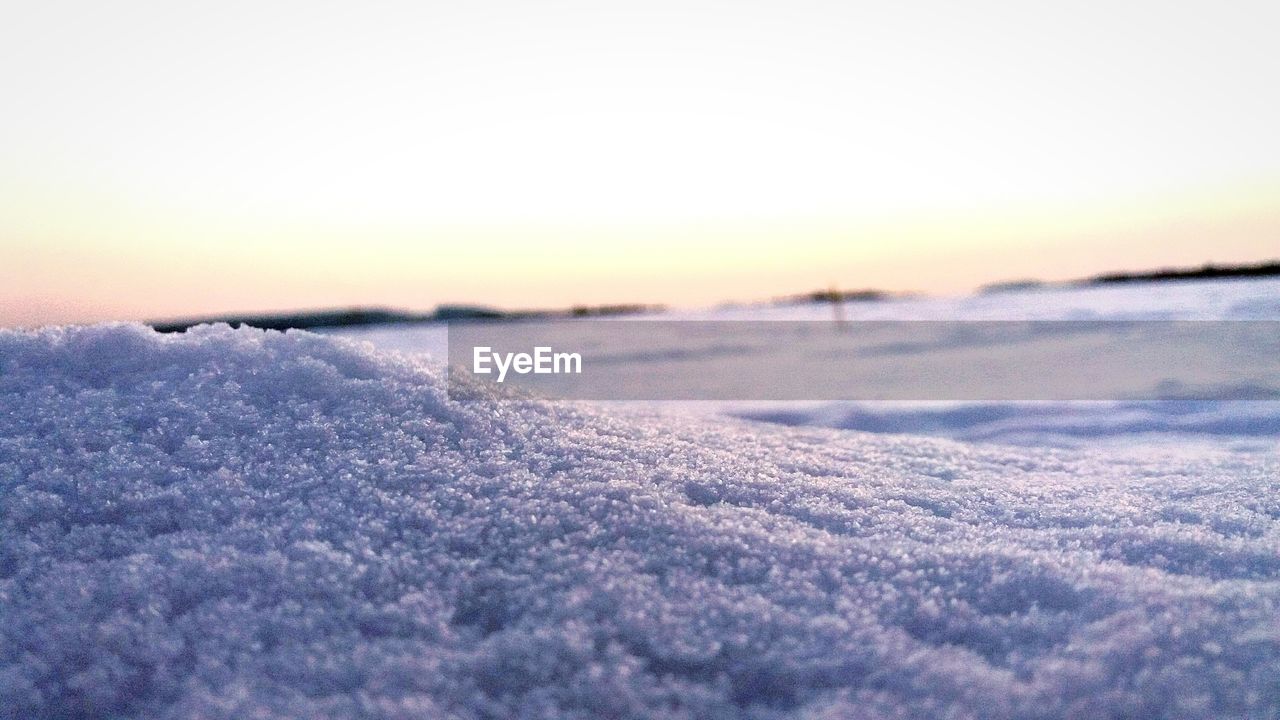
<point x="232" y="523"/>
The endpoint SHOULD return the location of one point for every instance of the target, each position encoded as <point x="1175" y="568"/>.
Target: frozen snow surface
<point x="1243" y="427"/>
<point x="1233" y="299"/>
<point x="238" y="524"/>
<point x="1175" y="425"/>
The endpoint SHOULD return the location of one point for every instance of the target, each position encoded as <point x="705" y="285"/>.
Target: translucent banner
<point x="882" y="360"/>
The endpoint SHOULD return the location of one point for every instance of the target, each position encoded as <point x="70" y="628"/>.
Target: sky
<point x="163" y="159"/>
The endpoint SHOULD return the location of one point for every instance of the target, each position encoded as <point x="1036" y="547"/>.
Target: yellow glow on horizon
<point x="130" y="263"/>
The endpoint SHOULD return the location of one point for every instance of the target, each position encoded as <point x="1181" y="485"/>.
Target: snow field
<point x="232" y="523"/>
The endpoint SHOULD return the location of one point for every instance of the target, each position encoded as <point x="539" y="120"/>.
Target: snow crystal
<point x="232" y="523"/>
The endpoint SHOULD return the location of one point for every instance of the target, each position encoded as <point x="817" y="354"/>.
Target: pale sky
<point x="161" y="159"/>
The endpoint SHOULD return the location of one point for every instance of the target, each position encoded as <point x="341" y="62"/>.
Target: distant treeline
<point x="828" y="296"/>
<point x="1208" y="271"/>
<point x="300" y="320"/>
<point x="1205" y="272"/>
<point x="352" y="317"/>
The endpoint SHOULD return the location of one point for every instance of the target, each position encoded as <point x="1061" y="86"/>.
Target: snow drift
<point x="247" y="524"/>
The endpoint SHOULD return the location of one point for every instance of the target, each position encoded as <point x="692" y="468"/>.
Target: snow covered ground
<point x="1175" y="426"/>
<point x="1233" y="299"/>
<point x="245" y="524"/>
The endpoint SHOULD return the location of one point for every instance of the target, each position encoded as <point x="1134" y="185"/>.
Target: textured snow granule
<point x="239" y="524"/>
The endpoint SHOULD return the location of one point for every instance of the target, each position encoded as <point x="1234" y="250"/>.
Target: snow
<point x="1194" y="426"/>
<point x="1231" y="299"/>
<point x="1170" y="426"/>
<point x="232" y="523"/>
<point x="1173" y="426"/>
